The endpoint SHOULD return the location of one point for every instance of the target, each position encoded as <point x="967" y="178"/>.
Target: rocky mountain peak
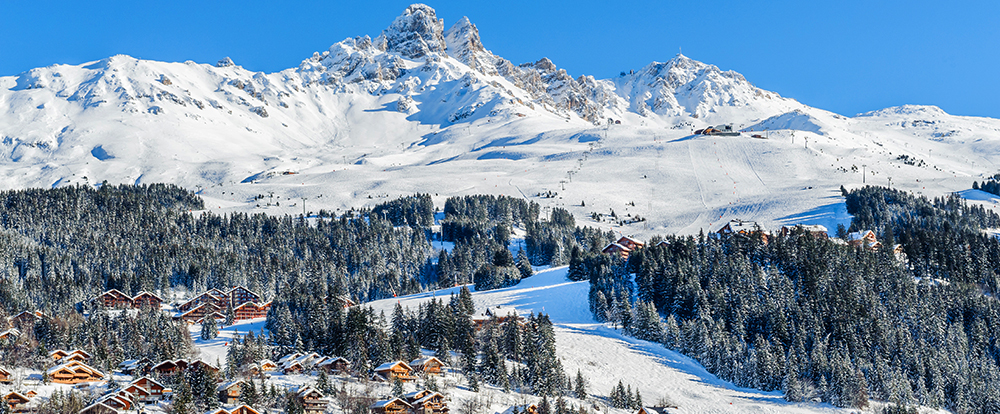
<point x="415" y="33"/>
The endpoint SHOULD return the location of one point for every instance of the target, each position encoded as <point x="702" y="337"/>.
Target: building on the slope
<point x="427" y="365"/>
<point x="229" y="393"/>
<point x="267" y="365"/>
<point x="427" y="402"/>
<point x="26" y="320"/>
<point x="74" y="372"/>
<point x="744" y="228"/>
<point x="630" y="243"/>
<point x="502" y="314"/>
<point x="864" y="239"/>
<point x="240" y="295"/>
<point x="251" y="310"/>
<point x="392" y="370"/>
<point x="197" y="314"/>
<point x="10" y="335"/>
<point x="155" y="390"/>
<point x="169" y="367"/>
<point x="212" y="297"/>
<point x="5" y="376"/>
<point x="616" y="249"/>
<point x="391" y="406"/>
<point x="335" y="365"/>
<point x="313" y="401"/>
<point x="115" y="299"/>
<point x="61" y="356"/>
<point x="139" y="366"/>
<point x="146" y="300"/>
<point x="16" y="401"/>
<point x="815" y="230"/>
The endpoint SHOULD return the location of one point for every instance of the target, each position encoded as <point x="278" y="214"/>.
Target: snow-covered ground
<point x="366" y="121"/>
<point x="604" y="356"/>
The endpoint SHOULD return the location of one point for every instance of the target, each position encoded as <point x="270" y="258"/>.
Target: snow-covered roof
<point x="383" y="403"/>
<point x="427" y="397"/>
<point x="228" y="385"/>
<point x="617" y="246"/>
<point x="388" y="365"/>
<point x="859" y="235"/>
<point x="424" y="360"/>
<point x="306" y="390"/>
<point x="147" y="293"/>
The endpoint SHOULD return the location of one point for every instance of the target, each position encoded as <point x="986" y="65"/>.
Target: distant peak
<point x="224" y="62"/>
<point x="907" y="110"/>
<point x="415" y="33"/>
<point x="464" y="36"/>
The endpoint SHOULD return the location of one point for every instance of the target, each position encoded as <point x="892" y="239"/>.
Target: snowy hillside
<point x="424" y="107"/>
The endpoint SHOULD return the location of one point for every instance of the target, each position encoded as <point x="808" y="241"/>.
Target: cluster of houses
<point x="245" y="303"/>
<point x="144" y="390"/>
<point x="297" y="363"/>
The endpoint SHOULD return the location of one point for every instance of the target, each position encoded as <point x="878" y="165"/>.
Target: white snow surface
<point x="605" y="356"/>
<point x="421" y="108"/>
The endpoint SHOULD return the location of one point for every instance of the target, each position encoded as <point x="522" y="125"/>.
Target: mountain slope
<point x="421" y="108"/>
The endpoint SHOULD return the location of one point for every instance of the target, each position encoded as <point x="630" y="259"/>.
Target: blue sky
<point x="844" y="56"/>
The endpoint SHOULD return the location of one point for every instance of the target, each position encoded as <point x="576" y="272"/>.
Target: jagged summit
<point x="414" y="34"/>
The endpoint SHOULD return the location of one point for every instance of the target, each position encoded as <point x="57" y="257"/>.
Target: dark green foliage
<point x="414" y="211"/>
<point x="822" y="320"/>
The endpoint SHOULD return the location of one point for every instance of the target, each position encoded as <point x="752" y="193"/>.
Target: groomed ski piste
<point x="603" y="354"/>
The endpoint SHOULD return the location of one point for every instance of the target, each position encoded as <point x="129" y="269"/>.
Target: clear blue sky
<point x="844" y="56"/>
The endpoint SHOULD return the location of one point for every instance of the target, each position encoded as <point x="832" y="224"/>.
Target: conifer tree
<point x="581" y="386"/>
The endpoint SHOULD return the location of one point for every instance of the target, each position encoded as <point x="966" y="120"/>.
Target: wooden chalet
<point x="98" y="408"/>
<point x="428" y="365"/>
<point x="115" y="299"/>
<point x="198" y="313"/>
<point x="814" y="230"/>
<point x="204" y="366"/>
<point x="58" y="354"/>
<point x="500" y="313"/>
<point x="336" y="365"/>
<point x="391" y="406"/>
<point x="139" y="366"/>
<point x="251" y="310"/>
<point x="744" y="228"/>
<point x="616" y="249"/>
<point x="140" y="394"/>
<point x="169" y="367"/>
<point x="865" y="239"/>
<point x="293" y="367"/>
<point x="27" y="319"/>
<point x="267" y="365"/>
<point x="312" y="400"/>
<point x="427" y="402"/>
<point x="16" y="401"/>
<point x="631" y="243"/>
<point x="120" y="400"/>
<point x="5" y="376"/>
<point x="398" y="369"/>
<point x="74" y="372"/>
<point x="213" y="297"/>
<point x="240" y="295"/>
<point x="229" y="393"/>
<point x="10" y="335"/>
<point x="155" y="389"/>
<point x="146" y="299"/>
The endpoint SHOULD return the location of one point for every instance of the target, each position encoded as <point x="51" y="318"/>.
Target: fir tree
<point x="209" y="330"/>
<point x="581" y="386"/>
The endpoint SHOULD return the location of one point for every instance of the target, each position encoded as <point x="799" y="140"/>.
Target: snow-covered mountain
<point x="426" y="107"/>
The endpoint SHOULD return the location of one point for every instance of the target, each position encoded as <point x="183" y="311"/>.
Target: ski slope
<point x="604" y="356"/>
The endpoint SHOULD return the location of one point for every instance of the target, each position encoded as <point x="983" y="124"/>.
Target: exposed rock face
<point x="224" y="62"/>
<point x="416" y="33"/>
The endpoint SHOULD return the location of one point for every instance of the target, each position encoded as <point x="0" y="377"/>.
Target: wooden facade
<point x="251" y="310"/>
<point x="5" y="376"/>
<point x="631" y="243"/>
<point x="240" y="295"/>
<point x="391" y="406"/>
<point x="115" y="299"/>
<point x="338" y="365"/>
<point x="429" y="365"/>
<point x="98" y="408"/>
<point x="146" y="299"/>
<point x="312" y="400"/>
<point x="10" y="335"/>
<point x="427" y="402"/>
<point x="155" y="389"/>
<point x="397" y="369"/>
<point x="616" y="249"/>
<point x="16" y="401"/>
<point x="74" y="372"/>
<point x="229" y="393"/>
